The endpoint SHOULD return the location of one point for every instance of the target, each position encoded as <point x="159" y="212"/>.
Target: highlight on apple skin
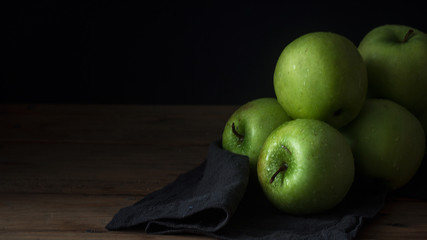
<point x="305" y="166"/>
<point x="248" y="127"/>
<point x="396" y="60"/>
<point x="321" y="75"/>
<point x="325" y="130"/>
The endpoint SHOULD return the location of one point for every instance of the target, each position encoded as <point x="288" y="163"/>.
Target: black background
<point x="167" y="52"/>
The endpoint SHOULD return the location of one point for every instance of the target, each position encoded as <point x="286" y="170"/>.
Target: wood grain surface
<point x="65" y="170"/>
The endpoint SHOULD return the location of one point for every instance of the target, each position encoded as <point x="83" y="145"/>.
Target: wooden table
<point x="65" y="170"/>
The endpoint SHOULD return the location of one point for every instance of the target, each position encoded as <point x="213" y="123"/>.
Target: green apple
<point x="322" y="76"/>
<point x="249" y="126"/>
<point x="387" y="141"/>
<point x="396" y="59"/>
<point x="305" y="166"/>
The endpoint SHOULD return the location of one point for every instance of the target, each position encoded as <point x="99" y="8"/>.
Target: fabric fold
<point x="218" y="199"/>
<point x="202" y="199"/>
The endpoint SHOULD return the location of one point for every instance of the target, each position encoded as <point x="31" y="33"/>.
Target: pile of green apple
<point x="341" y="113"/>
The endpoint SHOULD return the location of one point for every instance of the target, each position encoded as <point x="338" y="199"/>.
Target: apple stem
<point x="281" y="169"/>
<point x="233" y="128"/>
<point x="407" y="35"/>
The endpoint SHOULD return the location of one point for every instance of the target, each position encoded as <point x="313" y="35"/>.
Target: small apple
<point x="305" y="166"/>
<point x="249" y="126"/>
<point x="387" y="141"/>
<point x="396" y="59"/>
<point x="322" y="76"/>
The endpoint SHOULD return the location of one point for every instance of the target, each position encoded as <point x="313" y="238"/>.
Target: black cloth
<point x="216" y="200"/>
<point x="201" y="200"/>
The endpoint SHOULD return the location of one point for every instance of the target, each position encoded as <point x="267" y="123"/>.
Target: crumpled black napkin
<point x="215" y="200"/>
<point x="201" y="200"/>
